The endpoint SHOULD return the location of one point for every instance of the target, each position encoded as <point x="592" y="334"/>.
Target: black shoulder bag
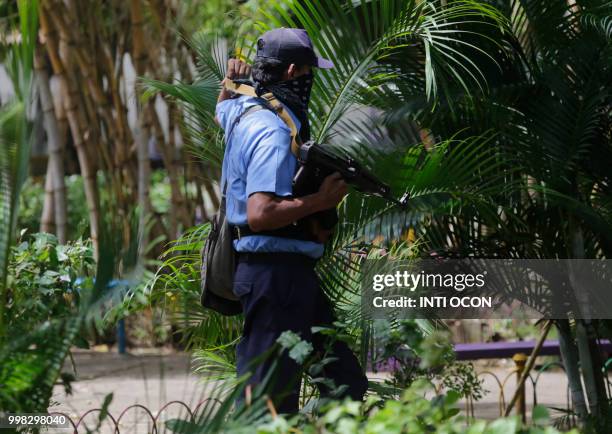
<point x="219" y="257"/>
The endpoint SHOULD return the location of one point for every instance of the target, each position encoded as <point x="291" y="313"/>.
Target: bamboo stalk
<point x="139" y="54"/>
<point x="88" y="58"/>
<point x="139" y="58"/>
<point x="122" y="134"/>
<point x="159" y="140"/>
<point x="109" y="105"/>
<point x="55" y="86"/>
<point x="86" y="67"/>
<point x="179" y="202"/>
<point x="54" y="140"/>
<point x="47" y="220"/>
<point x="89" y="175"/>
<point x="144" y="175"/>
<point x="210" y="189"/>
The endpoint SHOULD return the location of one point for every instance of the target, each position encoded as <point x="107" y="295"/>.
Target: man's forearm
<point x="276" y="212"/>
<point x="224" y="94"/>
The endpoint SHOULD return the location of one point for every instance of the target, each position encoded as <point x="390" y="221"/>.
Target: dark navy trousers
<point x="279" y="292"/>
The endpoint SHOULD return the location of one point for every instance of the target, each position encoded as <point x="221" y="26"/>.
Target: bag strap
<point x="248" y="111"/>
<point x="269" y="103"/>
<point x="245" y="113"/>
<point x="274" y="105"/>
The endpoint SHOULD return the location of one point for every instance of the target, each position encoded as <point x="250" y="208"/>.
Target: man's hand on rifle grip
<point x="332" y="191"/>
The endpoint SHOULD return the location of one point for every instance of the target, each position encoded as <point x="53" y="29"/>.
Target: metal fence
<point x="153" y="423"/>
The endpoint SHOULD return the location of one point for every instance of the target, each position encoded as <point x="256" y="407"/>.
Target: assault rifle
<point x="316" y="163"/>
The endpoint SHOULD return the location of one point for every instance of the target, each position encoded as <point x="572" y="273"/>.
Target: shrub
<point x="413" y="413"/>
<point x="412" y="355"/>
<point x="43" y="277"/>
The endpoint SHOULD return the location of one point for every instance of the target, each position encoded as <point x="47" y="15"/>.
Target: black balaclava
<point x="295" y="94"/>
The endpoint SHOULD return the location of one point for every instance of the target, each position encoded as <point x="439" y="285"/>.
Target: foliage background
<point x="494" y="115"/>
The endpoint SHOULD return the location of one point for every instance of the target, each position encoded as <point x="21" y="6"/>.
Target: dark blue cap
<point x="290" y="46"/>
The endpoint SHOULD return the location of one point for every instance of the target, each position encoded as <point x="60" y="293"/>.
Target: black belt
<point x="284" y="258"/>
<point x="296" y="232"/>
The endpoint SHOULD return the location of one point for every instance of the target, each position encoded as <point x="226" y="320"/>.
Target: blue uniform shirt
<point x="258" y="158"/>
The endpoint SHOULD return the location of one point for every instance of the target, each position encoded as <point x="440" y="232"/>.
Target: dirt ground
<point x="153" y="379"/>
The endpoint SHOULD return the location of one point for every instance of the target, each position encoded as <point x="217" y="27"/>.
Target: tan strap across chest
<point x="244" y="89"/>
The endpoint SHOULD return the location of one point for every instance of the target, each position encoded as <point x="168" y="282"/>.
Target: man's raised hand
<point x="237" y="69"/>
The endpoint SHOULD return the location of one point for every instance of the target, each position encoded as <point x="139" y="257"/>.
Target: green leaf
<point x="540" y="415"/>
<point x="301" y="351"/>
<point x="503" y="426"/>
<point x="452" y="397"/>
<point x="478" y="427"/>
<point x="288" y="339"/>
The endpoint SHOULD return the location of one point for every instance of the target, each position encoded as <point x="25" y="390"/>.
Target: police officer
<point x="275" y="277"/>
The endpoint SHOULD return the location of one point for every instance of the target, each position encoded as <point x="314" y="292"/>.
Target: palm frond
<point x="14" y="132"/>
<point x="415" y="32"/>
<point x="176" y="289"/>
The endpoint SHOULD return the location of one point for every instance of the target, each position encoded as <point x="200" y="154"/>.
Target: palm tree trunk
<point x="591" y="369"/>
<point x="569" y="355"/>
<point x="590" y="362"/>
<point x="55" y="169"/>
